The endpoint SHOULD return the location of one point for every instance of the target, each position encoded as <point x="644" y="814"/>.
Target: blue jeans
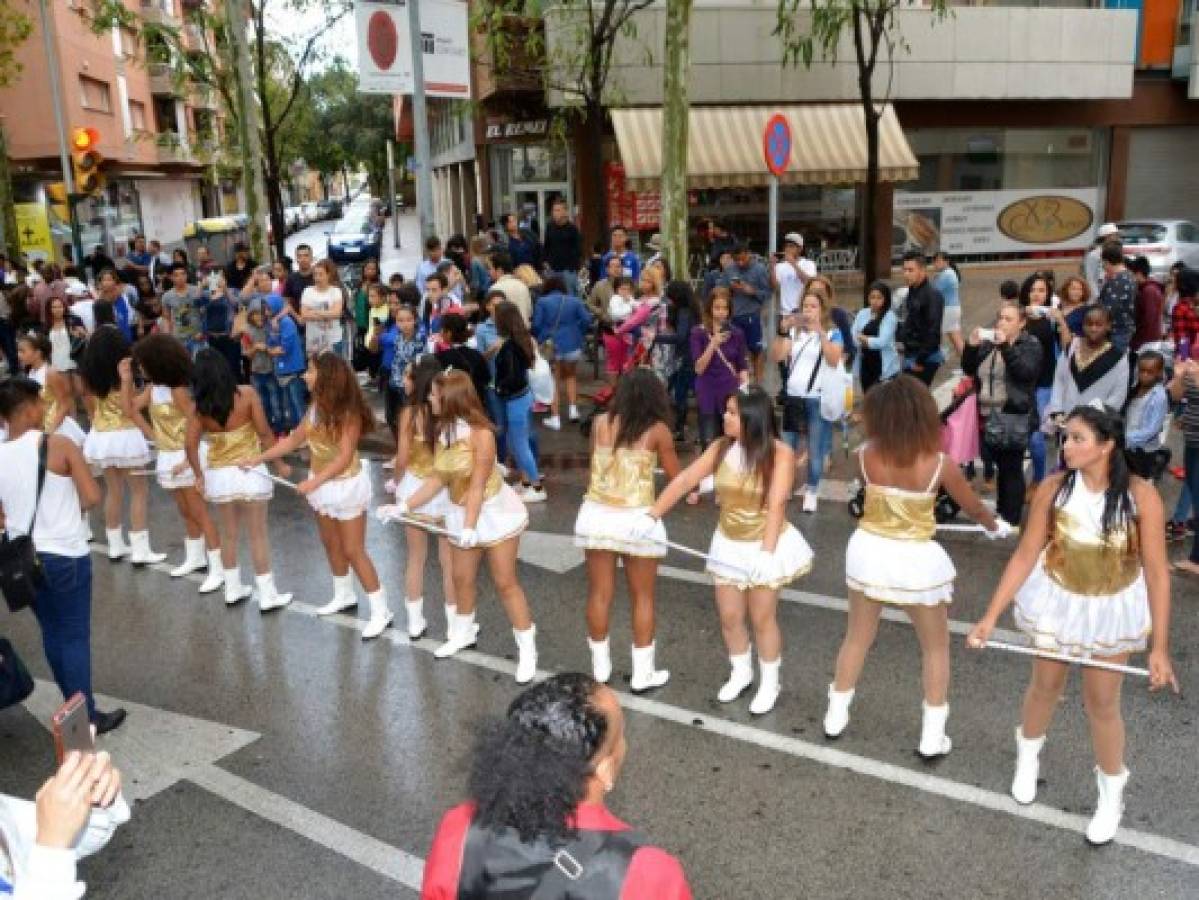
<point x="294" y="398"/>
<point x="1037" y="449"/>
<point x="272" y="399"/>
<point x="680" y="387"/>
<point x="1190" y="462"/>
<point x="1182" y="509"/>
<point x="518" y="415"/>
<point x="495" y="410"/>
<point x="819" y="443"/>
<point x="64" y="612"/>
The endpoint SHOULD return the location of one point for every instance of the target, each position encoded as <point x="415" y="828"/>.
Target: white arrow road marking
<point x="156" y="749"/>
<point x="981" y="798"/>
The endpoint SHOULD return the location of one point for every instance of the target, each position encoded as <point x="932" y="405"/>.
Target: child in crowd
<point x="255" y="340"/>
<point x="1145" y="416"/>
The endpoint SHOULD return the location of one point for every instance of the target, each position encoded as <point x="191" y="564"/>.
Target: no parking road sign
<point x="776" y="144"/>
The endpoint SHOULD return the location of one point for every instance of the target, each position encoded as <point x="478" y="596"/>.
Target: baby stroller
<point x="603" y="397"/>
<point x="959" y="443"/>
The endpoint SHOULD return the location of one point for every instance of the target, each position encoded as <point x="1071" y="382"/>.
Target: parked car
<point x="1163" y="241"/>
<point x="330" y="209"/>
<point x="355" y="237"/>
<point x="311" y="211"/>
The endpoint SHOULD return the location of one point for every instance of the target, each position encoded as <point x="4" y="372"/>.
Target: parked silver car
<point x="1163" y="241"/>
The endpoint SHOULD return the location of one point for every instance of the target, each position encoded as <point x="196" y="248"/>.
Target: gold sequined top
<point x="324" y="445"/>
<point x="170" y="424"/>
<point x="109" y="414"/>
<point x="623" y="477"/>
<point x="454" y="465"/>
<point x="1079" y="560"/>
<point x="231" y="448"/>
<point x="898" y="514"/>
<point x="742" y="515"/>
<point x="420" y="458"/>
<point x="49" y="398"/>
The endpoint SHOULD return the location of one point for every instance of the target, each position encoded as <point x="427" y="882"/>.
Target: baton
<point x="689" y="551"/>
<point x="969" y="529"/>
<point x="1067" y="658"/>
<point x="426" y="526"/>
<point x="275" y="478"/>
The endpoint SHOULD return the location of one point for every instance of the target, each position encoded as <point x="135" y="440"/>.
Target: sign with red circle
<point x="776" y="144"/>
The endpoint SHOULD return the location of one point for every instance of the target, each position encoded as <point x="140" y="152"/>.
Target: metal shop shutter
<point x="1163" y="180"/>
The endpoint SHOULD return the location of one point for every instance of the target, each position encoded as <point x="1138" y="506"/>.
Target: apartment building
<point x="159" y="135"/>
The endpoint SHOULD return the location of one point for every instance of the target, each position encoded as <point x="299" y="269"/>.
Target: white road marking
<point x="982" y="798"/>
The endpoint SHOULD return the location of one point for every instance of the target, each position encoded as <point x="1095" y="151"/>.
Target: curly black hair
<point x="214" y="386"/>
<point x="530" y="769"/>
<point x="164" y="360"/>
<point x="98" y="367"/>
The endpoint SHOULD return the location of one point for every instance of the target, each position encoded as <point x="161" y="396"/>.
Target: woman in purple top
<point x="719" y="351"/>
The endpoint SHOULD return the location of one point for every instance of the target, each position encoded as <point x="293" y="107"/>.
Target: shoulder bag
<point x="15" y="682"/>
<point x="1004" y="431"/>
<point x="20" y="569"/>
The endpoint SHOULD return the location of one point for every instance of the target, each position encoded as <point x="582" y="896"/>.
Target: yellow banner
<point x="33" y="231"/>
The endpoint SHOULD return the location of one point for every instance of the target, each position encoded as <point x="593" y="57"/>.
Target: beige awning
<point x="724" y="147"/>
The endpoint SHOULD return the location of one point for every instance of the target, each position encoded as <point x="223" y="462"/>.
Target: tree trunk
<point x="8" y="212"/>
<point x="247" y="129"/>
<point x="593" y="173"/>
<point x="675" y="111"/>
<point x="866" y="227"/>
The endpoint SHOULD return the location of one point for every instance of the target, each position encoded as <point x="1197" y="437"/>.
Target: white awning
<point x="725" y="149"/>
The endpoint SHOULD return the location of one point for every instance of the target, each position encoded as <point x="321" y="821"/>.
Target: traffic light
<point x="86" y="159"/>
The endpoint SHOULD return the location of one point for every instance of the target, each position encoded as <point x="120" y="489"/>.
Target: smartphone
<point x="1038" y="312"/>
<point x="987" y="334"/>
<point x="71" y="727"/>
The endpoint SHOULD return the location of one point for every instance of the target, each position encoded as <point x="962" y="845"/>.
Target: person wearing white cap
<point x="1092" y="267"/>
<point x="792" y="273"/>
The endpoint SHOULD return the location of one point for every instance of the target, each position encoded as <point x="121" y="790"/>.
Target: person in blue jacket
<point x="873" y="331"/>
<point x="287" y="347"/>
<point x="564" y="319"/>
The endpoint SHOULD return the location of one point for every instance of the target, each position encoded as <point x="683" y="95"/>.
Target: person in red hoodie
<point x="536" y="824"/>
<point x="1150" y="305"/>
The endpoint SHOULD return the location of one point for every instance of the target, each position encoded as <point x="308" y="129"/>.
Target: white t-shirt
<point x="59" y="528"/>
<point x="791" y="283"/>
<point x="321" y="335"/>
<point x="806" y="357"/>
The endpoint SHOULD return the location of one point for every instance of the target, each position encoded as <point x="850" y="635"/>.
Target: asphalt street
<point x="280" y="756"/>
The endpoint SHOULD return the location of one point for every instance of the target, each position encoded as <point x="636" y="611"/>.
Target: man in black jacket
<point x="921" y="330"/>
<point x="563" y="246"/>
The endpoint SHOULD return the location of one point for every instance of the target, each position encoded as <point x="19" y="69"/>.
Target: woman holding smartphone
<point x="755" y="551"/>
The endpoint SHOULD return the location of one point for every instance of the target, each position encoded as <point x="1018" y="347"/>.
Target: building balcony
<point x="159" y="12"/>
<point x="519" y="71"/>
<point x="162" y="80"/>
<point x="201" y="96"/>
<point x="193" y="34"/>
<point x="171" y="150"/>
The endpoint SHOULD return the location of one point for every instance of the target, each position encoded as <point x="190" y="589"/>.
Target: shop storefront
<point x="529" y="167"/>
<point x="108" y="220"/>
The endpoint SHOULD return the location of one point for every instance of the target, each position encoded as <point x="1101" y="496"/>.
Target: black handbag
<point x="20" y="569"/>
<point x="15" y="682"/>
<point x="1006" y="431"/>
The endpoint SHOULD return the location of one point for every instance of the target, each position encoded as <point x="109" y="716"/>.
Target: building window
<point x="94" y="94"/>
<point x="989" y="159"/>
<point x="137" y="115"/>
<point x="164" y="113"/>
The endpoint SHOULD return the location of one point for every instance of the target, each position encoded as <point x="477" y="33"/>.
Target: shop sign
<point x="978" y="222"/>
<point x="498" y="130"/>
<point x="634" y="210"/>
<point x="385" y="49"/>
<point x="33" y="231"/>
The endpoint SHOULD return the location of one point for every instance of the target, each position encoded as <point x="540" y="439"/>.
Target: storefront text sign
<point x="635" y="210"/>
<point x="33" y="231"/>
<point x="507" y="131"/>
<point x="979" y="222"/>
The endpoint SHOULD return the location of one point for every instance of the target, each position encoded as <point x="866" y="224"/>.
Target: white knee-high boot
<point x="381" y="615"/>
<point x="269" y="597"/>
<point x="526" y="647"/>
<point x="117" y="548"/>
<point x="601" y="660"/>
<point x="1110" y="808"/>
<point x="836" y="719"/>
<point x="193" y="558"/>
<point x="216" y="573"/>
<point x="417" y="626"/>
<point x="933" y="742"/>
<point x="451" y="610"/>
<point x="645" y="675"/>
<point x="741" y="677"/>
<point x="1028" y="767"/>
<point x="768" y="687"/>
<point x="142" y="554"/>
<point x="463" y="633"/>
<point x="235" y="592"/>
<point x="343" y="596"/>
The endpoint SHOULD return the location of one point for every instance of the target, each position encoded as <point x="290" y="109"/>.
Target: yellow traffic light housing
<point x="86" y="161"/>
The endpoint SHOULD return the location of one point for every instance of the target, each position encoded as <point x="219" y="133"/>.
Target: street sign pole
<point x="60" y="124"/>
<point x="391" y="189"/>
<point x="776" y="148"/>
<point x="424" y="174"/>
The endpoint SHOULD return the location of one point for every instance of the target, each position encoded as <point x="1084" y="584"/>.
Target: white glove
<point x="468" y="539"/>
<point x="761" y="571"/>
<point x="643" y="527"/>
<point x="1002" y="530"/>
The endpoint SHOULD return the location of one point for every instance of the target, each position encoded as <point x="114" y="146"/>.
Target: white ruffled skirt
<point x="502" y="517"/>
<point x="168" y="460"/>
<point x="906" y="573"/>
<point x="123" y="449"/>
<point x="343" y="498"/>
<point x="731" y="560"/>
<point x="602" y="527"/>
<point x="434" y="511"/>
<point x="233" y="484"/>
<point x="1081" y="625"/>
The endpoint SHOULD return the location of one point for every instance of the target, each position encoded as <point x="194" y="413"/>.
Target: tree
<point x="810" y="26"/>
<point x="15" y="28"/>
<point x="675" y="112"/>
<point x="575" y="67"/>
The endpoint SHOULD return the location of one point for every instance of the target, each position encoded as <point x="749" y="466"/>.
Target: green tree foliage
<point x="812" y="29"/>
<point x="15" y="28"/>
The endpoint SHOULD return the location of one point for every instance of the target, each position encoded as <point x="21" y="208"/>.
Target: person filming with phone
<point x="74" y="815"/>
<point x="50" y="509"/>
